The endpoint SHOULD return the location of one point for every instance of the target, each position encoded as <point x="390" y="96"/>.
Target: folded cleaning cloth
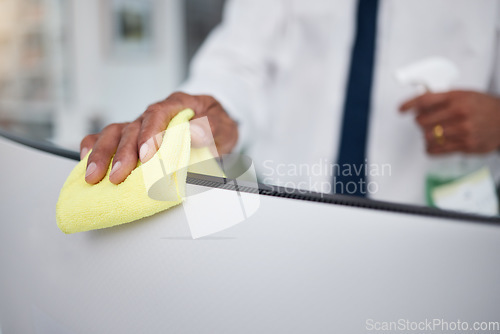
<point x="83" y="207"/>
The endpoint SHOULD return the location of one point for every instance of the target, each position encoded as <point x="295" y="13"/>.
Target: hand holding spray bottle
<point x="453" y="181"/>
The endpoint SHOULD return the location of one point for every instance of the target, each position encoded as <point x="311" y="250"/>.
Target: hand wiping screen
<point x="436" y="75"/>
<point x="83" y="207"/>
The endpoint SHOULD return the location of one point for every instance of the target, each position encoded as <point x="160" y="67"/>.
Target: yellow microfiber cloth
<point x="83" y="207"/>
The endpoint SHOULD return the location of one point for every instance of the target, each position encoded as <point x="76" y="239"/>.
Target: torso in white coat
<point x="280" y="68"/>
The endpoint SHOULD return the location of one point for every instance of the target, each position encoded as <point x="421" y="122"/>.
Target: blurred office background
<point x="69" y="67"/>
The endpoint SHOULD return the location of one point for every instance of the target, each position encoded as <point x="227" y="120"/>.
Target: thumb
<point x="201" y="135"/>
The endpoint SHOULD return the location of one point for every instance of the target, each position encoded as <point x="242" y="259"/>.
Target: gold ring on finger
<point x="439" y="134"/>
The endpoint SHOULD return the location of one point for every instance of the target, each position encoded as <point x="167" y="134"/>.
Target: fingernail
<point x="116" y="167"/>
<point x="143" y="152"/>
<point x="198" y="131"/>
<point x="90" y="169"/>
<point x="83" y="153"/>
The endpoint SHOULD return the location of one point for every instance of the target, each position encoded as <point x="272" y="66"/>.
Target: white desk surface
<point x="293" y="267"/>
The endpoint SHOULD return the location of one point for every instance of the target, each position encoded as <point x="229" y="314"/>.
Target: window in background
<point x="201" y="17"/>
<point x="61" y="77"/>
<point x="131" y="24"/>
<point x="32" y="64"/>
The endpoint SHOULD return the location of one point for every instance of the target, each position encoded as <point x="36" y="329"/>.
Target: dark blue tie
<point x="349" y="173"/>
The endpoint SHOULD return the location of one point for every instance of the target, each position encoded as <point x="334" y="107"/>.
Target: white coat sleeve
<point x="495" y="90"/>
<point x="234" y="62"/>
<point x="495" y="80"/>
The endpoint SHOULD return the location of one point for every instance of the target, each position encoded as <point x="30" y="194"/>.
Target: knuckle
<point x="113" y="127"/>
<point x="420" y="120"/>
<point x="136" y="124"/>
<point x="455" y="94"/>
<point x="152" y="109"/>
<point x="124" y="131"/>
<point x="156" y="110"/>
<point x="470" y="143"/>
<point x="126" y="156"/>
<point x="128" y="145"/>
<point x="461" y="111"/>
<point x="178" y="99"/>
<point x="209" y="99"/>
<point x="422" y="101"/>
<point x="126" y="128"/>
<point x="216" y="105"/>
<point x="87" y="139"/>
<point x="98" y="156"/>
<point x="131" y="127"/>
<point x="466" y="104"/>
<point x="211" y="106"/>
<point x="178" y="95"/>
<point x="467" y="128"/>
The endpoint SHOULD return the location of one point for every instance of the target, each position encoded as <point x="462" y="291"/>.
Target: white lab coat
<point x="280" y="68"/>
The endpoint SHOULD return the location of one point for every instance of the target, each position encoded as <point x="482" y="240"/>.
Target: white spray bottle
<point x="437" y="74"/>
